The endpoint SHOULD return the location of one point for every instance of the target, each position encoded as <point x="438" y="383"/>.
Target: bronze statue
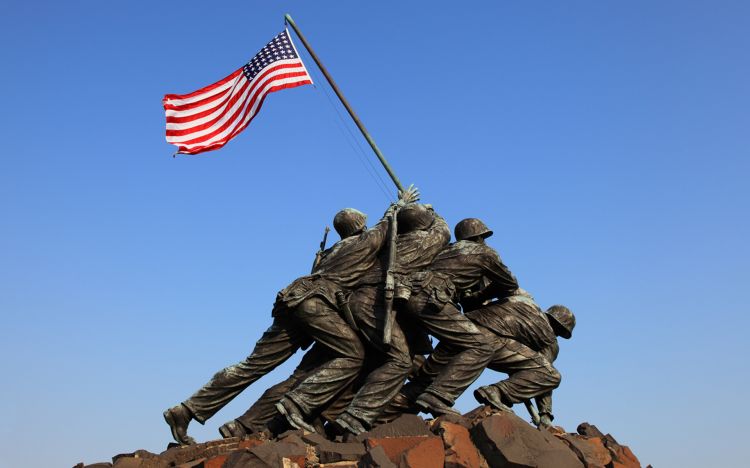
<point x="457" y="270"/>
<point x="353" y="376"/>
<point x="304" y="312"/>
<point x="525" y="346"/>
<point x="422" y="234"/>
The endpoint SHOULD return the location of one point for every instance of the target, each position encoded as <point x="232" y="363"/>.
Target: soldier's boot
<point x="434" y="405"/>
<point x="545" y="420"/>
<point x="293" y="415"/>
<point x="491" y="395"/>
<point x="399" y="405"/>
<point x="178" y="417"/>
<point x="233" y="429"/>
<point x="346" y="423"/>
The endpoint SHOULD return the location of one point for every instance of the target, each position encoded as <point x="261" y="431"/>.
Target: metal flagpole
<point x="343" y="100"/>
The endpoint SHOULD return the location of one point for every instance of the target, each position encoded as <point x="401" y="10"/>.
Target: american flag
<point x="207" y="119"/>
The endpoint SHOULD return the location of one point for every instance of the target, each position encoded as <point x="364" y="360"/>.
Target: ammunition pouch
<point x="438" y="288"/>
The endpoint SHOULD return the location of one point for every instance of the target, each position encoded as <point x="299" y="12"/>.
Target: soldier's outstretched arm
<point x="503" y="281"/>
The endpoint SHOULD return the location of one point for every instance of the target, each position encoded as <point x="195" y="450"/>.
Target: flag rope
<point x="288" y="19"/>
<point x="358" y="149"/>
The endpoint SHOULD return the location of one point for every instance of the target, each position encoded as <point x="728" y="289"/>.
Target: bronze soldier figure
<point x="525" y="350"/>
<point x="457" y="270"/>
<point x="525" y="345"/>
<point x="422" y="234"/>
<point x="305" y="311"/>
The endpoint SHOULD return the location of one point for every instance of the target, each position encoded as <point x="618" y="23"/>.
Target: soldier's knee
<point x="555" y="377"/>
<point x="485" y="346"/>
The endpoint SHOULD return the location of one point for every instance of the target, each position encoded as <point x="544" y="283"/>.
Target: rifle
<point x="319" y="253"/>
<point x="390" y="285"/>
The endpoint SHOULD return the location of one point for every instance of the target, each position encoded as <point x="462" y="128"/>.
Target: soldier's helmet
<point x="471" y="227"/>
<point x="349" y="221"/>
<point x="562" y="319"/>
<point x="414" y="217"/>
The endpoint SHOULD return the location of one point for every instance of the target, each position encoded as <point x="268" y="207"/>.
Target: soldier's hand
<point x="409" y="195"/>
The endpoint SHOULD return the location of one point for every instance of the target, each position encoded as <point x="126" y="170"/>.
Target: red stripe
<point x="226" y="104"/>
<point x="270" y="90"/>
<point x="203" y="90"/>
<point x="235" y="119"/>
<point x="210" y="87"/>
<point x="225" y="140"/>
<point x="255" y="80"/>
<point x="251" y="97"/>
<point x="193" y="105"/>
<point x="234" y="99"/>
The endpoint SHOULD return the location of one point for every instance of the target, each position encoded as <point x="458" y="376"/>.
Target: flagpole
<point x="343" y="100"/>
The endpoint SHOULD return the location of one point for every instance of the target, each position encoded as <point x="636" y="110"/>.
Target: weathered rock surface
<point x="481" y="438"/>
<point x="506" y="440"/>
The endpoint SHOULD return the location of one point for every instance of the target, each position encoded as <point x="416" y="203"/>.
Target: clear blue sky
<point x="606" y="143"/>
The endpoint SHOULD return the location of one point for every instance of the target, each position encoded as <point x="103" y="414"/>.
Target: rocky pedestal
<point x="481" y="438"/>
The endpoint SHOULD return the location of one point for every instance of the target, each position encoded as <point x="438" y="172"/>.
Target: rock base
<point x="481" y="438"/>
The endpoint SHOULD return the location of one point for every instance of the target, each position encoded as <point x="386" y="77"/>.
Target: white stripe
<point x="298" y="55"/>
<point x="241" y="103"/>
<point x="208" y="106"/>
<point x="209" y="93"/>
<point x="220" y="105"/>
<point x="230" y="130"/>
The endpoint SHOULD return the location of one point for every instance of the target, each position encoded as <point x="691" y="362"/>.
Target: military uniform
<point x="524" y="347"/>
<point x="305" y="311"/>
<point x="460" y="267"/>
<point x="387" y="366"/>
<point x="415" y="250"/>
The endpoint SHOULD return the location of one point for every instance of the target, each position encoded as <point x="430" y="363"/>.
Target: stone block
<point x="133" y="462"/>
<point x="137" y="454"/>
<point x="589" y="430"/>
<point x="404" y="425"/>
<point x="215" y="462"/>
<point x="394" y="447"/>
<point x="377" y="458"/>
<point x="504" y="439"/>
<point x="271" y="454"/>
<point x="179" y="455"/>
<point x="590" y="450"/>
<point x="622" y="456"/>
<point x="460" y="452"/>
<point x="429" y="453"/>
<point x="331" y="452"/>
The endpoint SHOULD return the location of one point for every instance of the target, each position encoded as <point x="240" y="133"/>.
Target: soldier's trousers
<point x="530" y="374"/>
<point x="262" y="412"/>
<point x="312" y="319"/>
<point x="391" y="363"/>
<point x="466" y="350"/>
<point x="384" y="374"/>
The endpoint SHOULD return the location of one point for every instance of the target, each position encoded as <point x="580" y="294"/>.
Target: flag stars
<point x="279" y="48"/>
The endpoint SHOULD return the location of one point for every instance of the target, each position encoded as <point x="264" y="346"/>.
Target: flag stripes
<point x="210" y="117"/>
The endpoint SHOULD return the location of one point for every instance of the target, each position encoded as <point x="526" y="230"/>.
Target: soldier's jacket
<point x="415" y="251"/>
<point x="520" y="318"/>
<point x="341" y="267"/>
<point x="460" y="267"/>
